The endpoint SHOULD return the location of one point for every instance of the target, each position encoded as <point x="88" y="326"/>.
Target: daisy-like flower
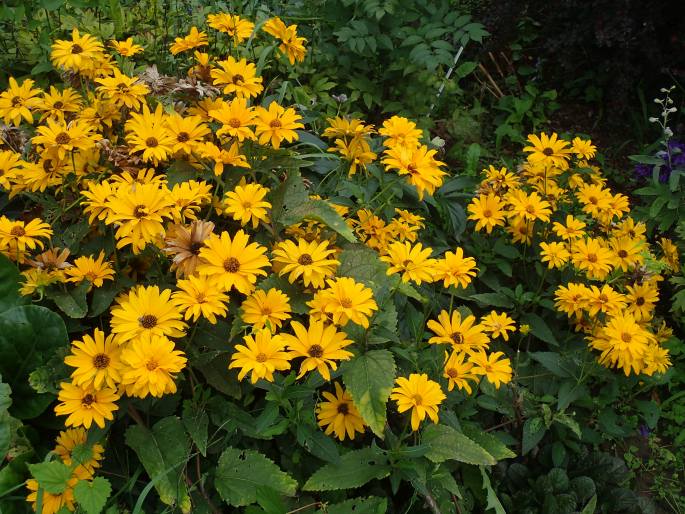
<point x="338" y="414"/>
<point x="96" y="360"/>
<point x="261" y="355"/>
<point x="184" y="244"/>
<point x="555" y="254"/>
<point x="458" y="372"/>
<point x="606" y="300"/>
<point x="246" y="204"/>
<point x="36" y="280"/>
<point x="238" y="77"/>
<point x="463" y="334"/>
<point x="221" y="157"/>
<point x="17" y="102"/>
<point x="641" y="300"/>
<point x="496" y="369"/>
<point x="571" y="299"/>
<point x="593" y="257"/>
<point x="321" y="346"/>
<point x="233" y="262"/>
<point x="77" y="55"/>
<point x="572" y="229"/>
<point x="148" y="132"/>
<point x="418" y="164"/>
<point x="548" y="151"/>
<point x="239" y="29"/>
<point x="420" y="395"/>
<point x="528" y="207"/>
<point x="86" y="405"/>
<point x="60" y="137"/>
<point x="595" y="198"/>
<point x="236" y="119"/>
<point x="200" y="296"/>
<point x="313" y="262"/>
<point x="51" y="503"/>
<point x="151" y="364"/>
<point x="194" y="39"/>
<point x="276" y="124"/>
<point x="11" y="165"/>
<point x="52" y="260"/>
<point x="68" y="440"/>
<point x="399" y="131"/>
<point x="347" y="128"/>
<point x="413" y="262"/>
<point x="123" y="90"/>
<point x="56" y="104"/>
<point x="487" y="211"/>
<point x="126" y="48"/>
<point x="357" y="151"/>
<point x="345" y="300"/>
<point x="146" y="310"/>
<point x="291" y="45"/>
<point x="188" y="198"/>
<point x="498" y="324"/>
<point x="628" y="252"/>
<point x="266" y="308"/>
<point x="95" y="271"/>
<point x="583" y="148"/>
<point x="16" y="237"/>
<point x="456" y="270"/>
<point x="670" y="253"/>
<point x="186" y="132"/>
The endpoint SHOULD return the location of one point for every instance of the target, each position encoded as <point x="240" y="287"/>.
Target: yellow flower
<point x="573" y="229"/>
<point x="498" y="324"/>
<point x="320" y="345"/>
<point x="57" y="104"/>
<point x="189" y="197"/>
<point x="200" y="296"/>
<point x="399" y="131"/>
<point x="146" y="310"/>
<point x="60" y="138"/>
<point x="236" y="118"/>
<point x="463" y="334"/>
<point x="238" y="77"/>
<point x="548" y="151"/>
<point x="521" y="230"/>
<point x="605" y="300"/>
<point x="456" y="270"/>
<point x="291" y="45"/>
<point x="37" y="280"/>
<point x="148" y="132"/>
<point x="528" y="207"/>
<point x="418" y="164"/>
<point x="584" y="149"/>
<point x="96" y="360"/>
<point x="554" y="254"/>
<point x="347" y="128"/>
<point x="413" y="262"/>
<point x="420" y="395"/>
<point x="627" y="252"/>
<point x="236" y="27"/>
<point x="51" y="502"/>
<point x="17" y="102"/>
<point x="276" y="124"/>
<point x="655" y="360"/>
<point x="357" y="151"/>
<point x="126" y="48"/>
<point x="268" y="308"/>
<point x="82" y="53"/>
<point x="69" y="439"/>
<point x="571" y="299"/>
<point x="345" y="300"/>
<point x="496" y="370"/>
<point x="233" y="262"/>
<point x="313" y="262"/>
<point x="96" y="271"/>
<point x="487" y="211"/>
<point x="184" y="243"/>
<point x="151" y="366"/>
<point x="85" y="405"/>
<point x="642" y="298"/>
<point x="457" y="372"/>
<point x="186" y="132"/>
<point x="221" y="157"/>
<point x="524" y="329"/>
<point x="246" y="204"/>
<point x="623" y="343"/>
<point x="194" y="39"/>
<point x="123" y="90"/>
<point x="261" y="355"/>
<point x="669" y="250"/>
<point x="11" y="165"/>
<point x="596" y="199"/>
<point x="339" y="415"/>
<point x="593" y="257"/>
<point x="16" y="237"/>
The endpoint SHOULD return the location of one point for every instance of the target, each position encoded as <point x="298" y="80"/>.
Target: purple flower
<point x="676" y="149"/>
<point x="643" y="430"/>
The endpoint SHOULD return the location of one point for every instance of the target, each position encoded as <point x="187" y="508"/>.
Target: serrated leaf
<point x="568" y="421"/>
<point x="491" y="299"/>
<point x="317" y="443"/>
<point x="92" y="495"/>
<point x="52" y="476"/>
<point x="370" y="505"/>
<point x="364" y="265"/>
<point x="369" y="379"/>
<point x="446" y="443"/>
<point x="552" y="361"/>
<point x="355" y="469"/>
<point x="321" y="211"/>
<point x="533" y="431"/>
<point x="290" y="193"/>
<point x="491" y="497"/>
<point x="489" y="443"/>
<point x="240" y="474"/>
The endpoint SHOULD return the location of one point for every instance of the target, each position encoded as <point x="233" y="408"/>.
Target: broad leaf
<point x="10" y="279"/>
<point x="92" y="495"/>
<point x="71" y="302"/>
<point x="533" y="431"/>
<point x="370" y="505"/>
<point x="446" y="443"/>
<point x="355" y="469"/>
<point x="539" y="328"/>
<point x="52" y="476"/>
<point x="321" y="211"/>
<point x="489" y="443"/>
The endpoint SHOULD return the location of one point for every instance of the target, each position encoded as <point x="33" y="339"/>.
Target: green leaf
<point x="51" y="476"/>
<point x="240" y="474"/>
<point x="289" y="194"/>
<point x="488" y="442"/>
<point x="162" y="452"/>
<point x="10" y="279"/>
<point x="369" y="379"/>
<point x="568" y="421"/>
<point x="491" y="299"/>
<point x="355" y="469"/>
<point x="446" y="443"/>
<point x="364" y="265"/>
<point x="552" y="361"/>
<point x="590" y="507"/>
<point x="321" y="211"/>
<point x="317" y="443"/>
<point x="539" y="328"/>
<point x="370" y="505"/>
<point x="533" y="431"/>
<point x="71" y="302"/>
<point x="491" y="498"/>
<point x="196" y="423"/>
<point x="92" y="495"/>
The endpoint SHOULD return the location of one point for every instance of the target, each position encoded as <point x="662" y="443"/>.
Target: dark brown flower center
<point x="315" y="351"/>
<point x="275" y="124"/>
<point x="195" y="247"/>
<point x="88" y="400"/>
<point x="234" y="122"/>
<point x="603" y="298"/>
<point x="18" y="231"/>
<point x="17" y="100"/>
<point x="101" y="361"/>
<point x="140" y="211"/>
<point x="487" y="213"/>
<point x="346" y="303"/>
<point x="238" y="79"/>
<point x="640" y="301"/>
<point x="530" y="209"/>
<point x="305" y="259"/>
<point x="417" y="399"/>
<point x="151" y="365"/>
<point x="48" y="166"/>
<point x="122" y="88"/>
<point x="622" y="254"/>
<point x="58" y="104"/>
<point x="548" y="151"/>
<point x="452" y="373"/>
<point x="261" y="357"/>
<point x="411" y="168"/>
<point x="62" y="138"/>
<point x="457" y="337"/>
<point x="343" y="408"/>
<point x="151" y="142"/>
<point x="232" y="265"/>
<point x="76" y="49"/>
<point x="592" y="257"/>
<point x="147" y="321"/>
<point x="625" y="337"/>
<point x="182" y="137"/>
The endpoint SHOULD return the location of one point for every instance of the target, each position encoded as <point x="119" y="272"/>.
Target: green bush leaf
<point x="539" y="328"/>
<point x="71" y="302"/>
<point x="196" y="423"/>
<point x="533" y="431"/>
<point x="369" y="379"/>
<point x="489" y="442"/>
<point x="92" y="495"/>
<point x="446" y="443"/>
<point x="52" y="476"/>
<point x="363" y="264"/>
<point x="321" y="211"/>
<point x="10" y="279"/>
<point x="355" y="469"/>
<point x="241" y="473"/>
<point x="491" y="299"/>
<point x="370" y="505"/>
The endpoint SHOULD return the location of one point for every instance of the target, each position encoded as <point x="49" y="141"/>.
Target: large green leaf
<point x="52" y="476"/>
<point x="163" y="452"/>
<point x="29" y="336"/>
<point x="10" y="279"/>
<point x="363" y="264"/>
<point x="92" y="495"/>
<point x="355" y="469"/>
<point x="539" y="328"/>
<point x="321" y="211"/>
<point x="488" y="442"/>
<point x="289" y="194"/>
<point x="242" y="473"/>
<point x="369" y="379"/>
<point x="446" y="443"/>
<point x="71" y="302"/>
<point x="370" y="505"/>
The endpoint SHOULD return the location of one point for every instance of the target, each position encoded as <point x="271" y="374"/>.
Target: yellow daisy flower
<point x="413" y="262"/>
<point x="96" y="360"/>
<point x="313" y="262"/>
<point x="261" y="355"/>
<point x="86" y="405"/>
<point x="276" y="124"/>
<point x="246" y="204"/>
<point x="266" y="308"/>
<point x="96" y="271"/>
<point x="200" y="296"/>
<point x="420" y="395"/>
<point x="338" y="415"/>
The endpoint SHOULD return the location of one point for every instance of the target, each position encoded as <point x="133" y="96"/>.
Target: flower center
<point x="147" y="321"/>
<point x="411" y="168"/>
<point x="152" y="365"/>
<point x="418" y="400"/>
<point x="140" y="211"/>
<point x="275" y="124"/>
<point x="261" y="357"/>
<point x="234" y="122"/>
<point x="622" y="254"/>
<point x="625" y="337"/>
<point x="603" y="298"/>
<point x="58" y="105"/>
<point x="76" y="49"/>
<point x="452" y="373"/>
<point x="91" y="276"/>
<point x="18" y="231"/>
<point x="548" y="151"/>
<point x="62" y="138"/>
<point x="48" y="166"/>
<point x="101" y="361"/>
<point x="305" y="259"/>
<point x="593" y="200"/>
<point x="343" y="409"/>
<point x="640" y="301"/>
<point x="237" y="79"/>
<point x="88" y="400"/>
<point x="592" y="257"/>
<point x="315" y="351"/>
<point x="232" y="265"/>
<point x="195" y="247"/>
<point x="17" y="100"/>
<point x="458" y="338"/>
<point x="183" y="137"/>
<point x="487" y="213"/>
<point x="346" y="303"/>
<point x="151" y="142"/>
<point x="530" y="209"/>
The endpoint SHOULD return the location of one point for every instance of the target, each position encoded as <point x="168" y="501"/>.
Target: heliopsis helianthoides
<point x="595" y="198"/>
<point x="498" y="324"/>
<point x="56" y="104"/>
<point x="237" y="77"/>
<point x="266" y="309"/>
<point x="494" y="366"/>
<point x="670" y="254"/>
<point x="413" y="262"/>
<point x="399" y="131"/>
<point x="200" y="296"/>
<point x="457" y="371"/>
<point x="623" y="343"/>
<point x="36" y="280"/>
<point x="233" y="262"/>
<point x="239" y="29"/>
<point x="456" y="270"/>
<point x="499" y="180"/>
<point x="60" y="137"/>
<point x="11" y="165"/>
<point x="53" y="260"/>
<point x="276" y="124"/>
<point x="126" y="48"/>
<point x="77" y="55"/>
<point x="148" y="133"/>
<point x="261" y="355"/>
<point x="146" y="310"/>
<point x="194" y="39"/>
<point x="528" y="207"/>
<point x="571" y="299"/>
<point x="346" y="300"/>
<point x="605" y="300"/>
<point x="236" y="119"/>
<point x="313" y="262"/>
<point x="555" y="254"/>
<point x="321" y="346"/>
<point x="95" y="271"/>
<point x="292" y="46"/>
<point x="521" y="230"/>
<point x="642" y="299"/>
<point x="593" y="257"/>
<point x="122" y="90"/>
<point x="548" y="151"/>
<point x="221" y="157"/>
<point x="420" y="395"/>
<point x="70" y="439"/>
<point x="487" y="211"/>
<point x="85" y="405"/>
<point x="583" y="148"/>
<point x="138" y="212"/>
<point x="150" y="366"/>
<point x="572" y="229"/>
<point x="186" y="132"/>
<point x="96" y="360"/>
<point x="357" y="151"/>
<point x="418" y="164"/>
<point x="17" y="102"/>
<point x="183" y="243"/>
<point x="188" y="198"/>
<point x="627" y="252"/>
<point x="16" y="236"/>
<point x="347" y="128"/>
<point x="463" y="334"/>
<point x="338" y="414"/>
<point x="246" y="204"/>
<point x="51" y="503"/>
